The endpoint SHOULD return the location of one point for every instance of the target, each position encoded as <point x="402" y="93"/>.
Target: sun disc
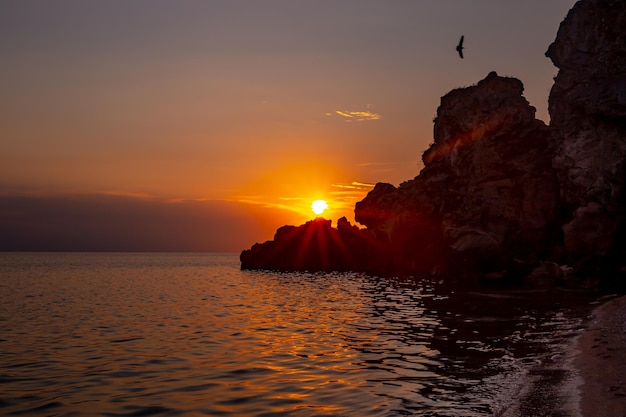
<point x="318" y="206"/>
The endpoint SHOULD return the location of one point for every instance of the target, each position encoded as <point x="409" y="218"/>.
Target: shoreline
<point x="585" y="376"/>
<point x="600" y="361"/>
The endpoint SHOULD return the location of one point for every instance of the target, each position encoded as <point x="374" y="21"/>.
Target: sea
<point x="170" y="334"/>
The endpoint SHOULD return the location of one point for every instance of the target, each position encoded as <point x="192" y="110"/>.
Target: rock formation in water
<point x="501" y="195"/>
<point x="313" y="246"/>
<point x="487" y="199"/>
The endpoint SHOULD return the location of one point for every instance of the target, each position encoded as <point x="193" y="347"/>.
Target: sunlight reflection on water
<point x="191" y="334"/>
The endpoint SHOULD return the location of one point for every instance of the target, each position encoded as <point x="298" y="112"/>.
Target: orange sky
<point x="269" y="104"/>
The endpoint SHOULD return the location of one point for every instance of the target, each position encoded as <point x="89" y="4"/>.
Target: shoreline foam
<point x="584" y="377"/>
<point x="551" y="385"/>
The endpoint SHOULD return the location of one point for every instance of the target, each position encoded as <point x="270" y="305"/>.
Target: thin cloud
<point x="291" y="198"/>
<point x="290" y="204"/>
<point x="349" y="193"/>
<point x="363" y="184"/>
<point x="341" y="197"/>
<point x="356" y="116"/>
<point x="355" y="185"/>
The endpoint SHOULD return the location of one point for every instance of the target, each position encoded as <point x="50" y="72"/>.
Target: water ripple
<point x="189" y="335"/>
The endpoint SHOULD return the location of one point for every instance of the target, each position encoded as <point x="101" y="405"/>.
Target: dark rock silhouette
<point x="501" y="196"/>
<point x="588" y="110"/>
<point x="459" y="47"/>
<point x="486" y="201"/>
<point x="317" y="246"/>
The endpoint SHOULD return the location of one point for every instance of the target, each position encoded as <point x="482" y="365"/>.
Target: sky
<point x="205" y="125"/>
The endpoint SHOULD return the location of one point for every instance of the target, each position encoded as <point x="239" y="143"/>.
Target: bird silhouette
<point x="459" y="47"/>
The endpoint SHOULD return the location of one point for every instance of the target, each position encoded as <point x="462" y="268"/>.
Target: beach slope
<point x="601" y="361"/>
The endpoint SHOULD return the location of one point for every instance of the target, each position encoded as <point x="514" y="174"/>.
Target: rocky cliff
<point x="501" y="195"/>
<point x="487" y="194"/>
<point x="588" y="121"/>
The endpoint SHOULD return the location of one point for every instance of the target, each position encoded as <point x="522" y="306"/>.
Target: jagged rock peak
<point x="487" y="192"/>
<point x="590" y="52"/>
<point x="494" y="104"/>
<point x="591" y="38"/>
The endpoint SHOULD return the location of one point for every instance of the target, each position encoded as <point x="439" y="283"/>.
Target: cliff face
<point x="487" y="194"/>
<point x="588" y="118"/>
<point x="501" y="194"/>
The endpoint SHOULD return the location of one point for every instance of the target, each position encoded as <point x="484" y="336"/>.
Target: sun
<point x="319" y="206"/>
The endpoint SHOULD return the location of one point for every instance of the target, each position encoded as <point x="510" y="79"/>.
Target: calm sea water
<point x="193" y="335"/>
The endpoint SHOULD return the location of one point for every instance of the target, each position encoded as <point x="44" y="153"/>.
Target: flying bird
<point x="459" y="47"/>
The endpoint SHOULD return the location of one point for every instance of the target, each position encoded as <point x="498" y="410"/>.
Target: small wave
<point x="38" y="409"/>
<point x="145" y="411"/>
<point x="130" y="339"/>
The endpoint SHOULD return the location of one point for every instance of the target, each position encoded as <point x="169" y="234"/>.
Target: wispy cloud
<point x="341" y="198"/>
<point x="348" y="194"/>
<point x="356" y="116"/>
<point x="264" y="201"/>
<point x="355" y="185"/>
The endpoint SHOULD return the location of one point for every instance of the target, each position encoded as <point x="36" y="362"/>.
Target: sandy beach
<point x="601" y="361"/>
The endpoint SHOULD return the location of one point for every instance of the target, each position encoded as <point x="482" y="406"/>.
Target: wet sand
<point x="601" y="361"/>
